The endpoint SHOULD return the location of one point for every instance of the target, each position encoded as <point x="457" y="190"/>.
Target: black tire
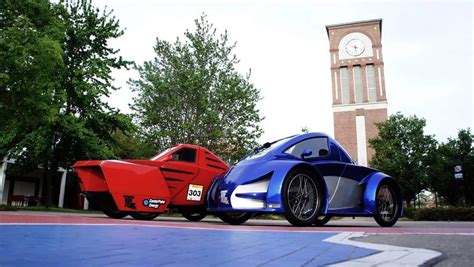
<point x="144" y="216"/>
<point x="234" y="218"/>
<point x="387" y="204"/>
<point x="116" y="214"/>
<point x="322" y="220"/>
<point x="302" y="196"/>
<point x="194" y="216"/>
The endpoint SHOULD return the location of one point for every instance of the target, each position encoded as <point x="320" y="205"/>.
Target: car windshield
<point x="161" y="154"/>
<point x="265" y="148"/>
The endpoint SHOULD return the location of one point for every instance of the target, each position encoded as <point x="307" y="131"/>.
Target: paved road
<point x="276" y="242"/>
<point x="457" y="250"/>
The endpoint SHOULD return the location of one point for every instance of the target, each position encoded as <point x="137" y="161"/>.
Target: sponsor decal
<point x="153" y="203"/>
<point x="194" y="192"/>
<point x="129" y="202"/>
<point x="224" y="199"/>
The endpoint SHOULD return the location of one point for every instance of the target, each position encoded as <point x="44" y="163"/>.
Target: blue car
<point x="308" y="178"/>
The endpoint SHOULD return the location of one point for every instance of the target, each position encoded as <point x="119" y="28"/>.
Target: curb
<point x="388" y="255"/>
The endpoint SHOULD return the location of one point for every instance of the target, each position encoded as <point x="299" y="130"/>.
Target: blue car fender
<point x="281" y="170"/>
<point x="372" y="182"/>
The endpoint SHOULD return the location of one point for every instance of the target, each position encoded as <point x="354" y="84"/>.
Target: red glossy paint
<point x="164" y="178"/>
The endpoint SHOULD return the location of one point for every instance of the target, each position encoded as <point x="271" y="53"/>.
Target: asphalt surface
<point x="457" y="250"/>
<point x="455" y="240"/>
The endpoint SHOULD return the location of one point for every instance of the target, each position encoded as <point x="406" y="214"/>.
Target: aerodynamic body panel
<point x="350" y="189"/>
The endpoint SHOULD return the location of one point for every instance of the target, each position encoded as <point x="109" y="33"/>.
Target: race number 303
<point x="195" y="192"/>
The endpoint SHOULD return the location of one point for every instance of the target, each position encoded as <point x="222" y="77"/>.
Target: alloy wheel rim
<point x="303" y="196"/>
<point x="386" y="203"/>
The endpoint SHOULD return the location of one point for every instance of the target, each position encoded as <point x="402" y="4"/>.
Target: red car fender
<point x="134" y="187"/>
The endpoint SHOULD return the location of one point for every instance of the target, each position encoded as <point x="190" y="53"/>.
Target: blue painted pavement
<point x="81" y="245"/>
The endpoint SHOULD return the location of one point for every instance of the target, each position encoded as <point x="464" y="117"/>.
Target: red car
<point x="177" y="178"/>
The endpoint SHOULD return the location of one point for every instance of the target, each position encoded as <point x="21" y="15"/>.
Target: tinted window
<point x="185" y="154"/>
<point x="263" y="151"/>
<point x="317" y="145"/>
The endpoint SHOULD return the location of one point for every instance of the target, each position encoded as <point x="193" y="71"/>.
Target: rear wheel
<point x="234" y="218"/>
<point x="322" y="220"/>
<point x="116" y="214"/>
<point x="145" y="216"/>
<point x="302" y="197"/>
<point x="387" y="204"/>
<point x="194" y="216"/>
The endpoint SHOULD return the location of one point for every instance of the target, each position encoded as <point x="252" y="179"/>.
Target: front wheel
<point x="322" y="220"/>
<point x="302" y="197"/>
<point x="234" y="218"/>
<point x="194" y="216"/>
<point x="387" y="204"/>
<point x="116" y="214"/>
<point x="144" y="216"/>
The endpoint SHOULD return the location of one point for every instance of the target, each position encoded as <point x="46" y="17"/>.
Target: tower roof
<point x="355" y="23"/>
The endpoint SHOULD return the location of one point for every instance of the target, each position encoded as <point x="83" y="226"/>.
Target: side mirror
<point x="306" y="153"/>
<point x="168" y="158"/>
<point x="323" y="152"/>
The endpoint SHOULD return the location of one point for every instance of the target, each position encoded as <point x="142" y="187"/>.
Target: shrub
<point x="7" y="208"/>
<point x="441" y="214"/>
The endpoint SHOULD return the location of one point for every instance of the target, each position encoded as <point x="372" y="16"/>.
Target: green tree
<point x="57" y="71"/>
<point x="31" y="63"/>
<point x="458" y="151"/>
<point x="402" y="150"/>
<point x="191" y="93"/>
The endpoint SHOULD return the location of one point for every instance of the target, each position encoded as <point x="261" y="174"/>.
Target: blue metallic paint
<point x="279" y="164"/>
<point x="371" y="184"/>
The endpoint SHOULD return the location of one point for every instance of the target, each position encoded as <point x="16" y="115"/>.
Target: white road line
<point x="388" y="255"/>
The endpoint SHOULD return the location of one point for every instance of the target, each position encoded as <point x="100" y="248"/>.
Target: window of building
<point x="358" y="91"/>
<point x="345" y="94"/>
<point x="371" y="90"/>
<point x="185" y="154"/>
<point x="319" y="147"/>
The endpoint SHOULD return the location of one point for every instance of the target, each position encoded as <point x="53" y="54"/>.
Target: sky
<point x="427" y="48"/>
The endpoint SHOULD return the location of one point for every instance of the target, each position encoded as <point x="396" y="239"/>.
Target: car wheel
<point x="322" y="220"/>
<point x="302" y="197"/>
<point x="144" y="216"/>
<point x="387" y="204"/>
<point x="234" y="218"/>
<point x="194" y="216"/>
<point x="116" y="214"/>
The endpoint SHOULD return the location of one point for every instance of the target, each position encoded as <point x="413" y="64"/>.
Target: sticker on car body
<point x="153" y="203"/>
<point x="195" y="192"/>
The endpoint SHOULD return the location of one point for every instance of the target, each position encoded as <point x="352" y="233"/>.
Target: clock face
<point x="355" y="47"/>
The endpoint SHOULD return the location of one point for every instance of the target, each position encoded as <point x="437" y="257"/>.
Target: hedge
<point x="440" y="214"/>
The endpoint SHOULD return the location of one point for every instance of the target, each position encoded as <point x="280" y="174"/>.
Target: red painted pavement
<point x="18" y="218"/>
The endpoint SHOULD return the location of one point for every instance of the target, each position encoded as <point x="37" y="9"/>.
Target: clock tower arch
<point x="358" y="85"/>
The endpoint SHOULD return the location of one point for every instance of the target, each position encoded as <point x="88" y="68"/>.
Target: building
<point x="25" y="187"/>
<point x="358" y="85"/>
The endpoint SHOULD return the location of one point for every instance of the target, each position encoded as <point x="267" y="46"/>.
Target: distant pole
<point x="3" y="175"/>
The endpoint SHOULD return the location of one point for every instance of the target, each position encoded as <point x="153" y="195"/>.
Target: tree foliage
<point x="31" y="62"/>
<point x="402" y="150"/>
<point x="457" y="151"/>
<point x="56" y="68"/>
<point x="192" y="93"/>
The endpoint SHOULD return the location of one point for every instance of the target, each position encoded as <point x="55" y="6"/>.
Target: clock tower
<point x="358" y="85"/>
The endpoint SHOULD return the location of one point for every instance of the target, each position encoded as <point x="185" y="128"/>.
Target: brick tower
<point x="358" y="86"/>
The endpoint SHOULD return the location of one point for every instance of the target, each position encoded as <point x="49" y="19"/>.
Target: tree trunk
<point x="53" y="167"/>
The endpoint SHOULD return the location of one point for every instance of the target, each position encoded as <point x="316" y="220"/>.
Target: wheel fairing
<point x="248" y="173"/>
<point x="370" y="194"/>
